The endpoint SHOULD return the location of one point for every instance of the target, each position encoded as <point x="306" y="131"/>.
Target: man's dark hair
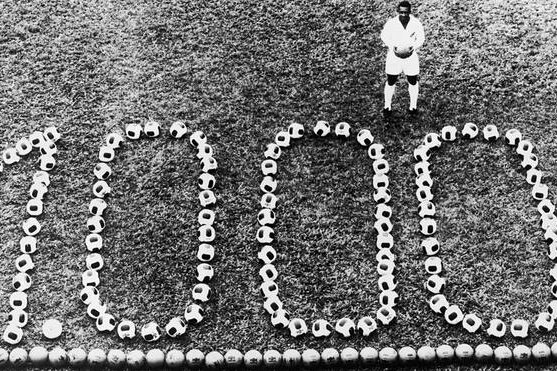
<point x="405" y="4"/>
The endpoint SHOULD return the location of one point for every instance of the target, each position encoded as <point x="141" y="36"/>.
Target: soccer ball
<point x="382" y="195"/>
<point x="533" y="176"/>
<point x="206" y="217"/>
<point x="96" y="357"/>
<point x="380" y="166"/>
<point x="114" y="140"/>
<point x="280" y="319"/>
<point x="545" y="322"/>
<point x="490" y="132"/>
<point x="423" y="193"/>
<point x="272" y="304"/>
<point x="126" y="330"/>
<point x="152" y="129"/>
<point x="88" y="294"/>
<point x="178" y="129"/>
<point x="269" y="201"/>
<point x="28" y="245"/>
<point x="433" y="265"/>
<point x="268" y="272"/>
<point x="483" y="352"/>
<point x="116" y="358"/>
<point x="424" y="180"/>
<point x="21" y="281"/>
<point x="97" y="206"/>
<point x="10" y="156"/>
<point x="386" y="315"/>
<point x="365" y="138"/>
<point x="426" y="209"/>
<point x="321" y="328"/>
<point x="94" y="261"/>
<point x="453" y="315"/>
<point x="407" y="354"/>
<point x="519" y="328"/>
<point x="345" y="327"/>
<point x="133" y="131"/>
<point x="151" y="332"/>
<point x="198" y="138"/>
<point x="430" y="246"/>
<point x="96" y="309"/>
<point x="503" y="355"/>
<point x="428" y="226"/>
<point x="13" y="335"/>
<point x="265" y="234"/>
<point x="388" y="298"/>
<point x="426" y="354"/>
<point x="310" y="358"/>
<point x="233" y="358"/>
<point x="24" y="263"/>
<point x="253" y="358"/>
<point x="342" y="129"/>
<point x="102" y="171"/>
<point x="41" y="177"/>
<point x="513" y="137"/>
<point x="57" y="357"/>
<point x="497" y="328"/>
<point x="385" y="254"/>
<point x="31" y="226"/>
<point x="524" y="147"/>
<point x="193" y="314"/>
<point x="330" y="356"/>
<point x="282" y="139"/>
<point x="201" y="292"/>
<point x="269" y="289"/>
<point x="206" y="233"/>
<point x="155" y="358"/>
<point x="95" y="224"/>
<point x="269" y="167"/>
<point x="366" y="326"/>
<point x="380" y="181"/>
<point x="18" y="300"/>
<point x="94" y="242"/>
<point x="438" y="303"/>
<point x="106" y="154"/>
<point x="385" y="267"/>
<point x="208" y="164"/>
<point x="376" y="151"/>
<point x="383" y="225"/>
<point x="529" y="161"/>
<point x="268" y="184"/>
<point x="51" y="133"/>
<point x="297" y="327"/>
<point x="194" y="358"/>
<point x="18" y="317"/>
<point x="322" y="128"/>
<point x="541" y="352"/>
<point x="471" y="323"/>
<point x="174" y="358"/>
<point x="444" y="352"/>
<point x="435" y="284"/>
<point x="23" y="147"/>
<point x="106" y="322"/>
<point x="422" y="153"/>
<point x="540" y="191"/>
<point x="295" y="131"/>
<point x="207" y="198"/>
<point x="175" y="327"/>
<point x="521" y="353"/>
<point x="267" y="254"/>
<point x="206" y="181"/>
<point x="135" y="359"/>
<point x="205" y="252"/>
<point x="34" y="207"/>
<point x="448" y="133"/>
<point x="47" y="162"/>
<point x="470" y="130"/>
<point x="273" y="151"/>
<point x="101" y="189"/>
<point x="421" y="167"/>
<point x="272" y="358"/>
<point x="214" y="360"/>
<point x="205" y="272"/>
<point x="204" y="150"/>
<point x="90" y="278"/>
<point x="48" y="148"/>
<point x="387" y="282"/>
<point x="388" y="355"/>
<point x="349" y="356"/>
<point x="38" y="190"/>
<point x="384" y="241"/>
<point x="77" y="357"/>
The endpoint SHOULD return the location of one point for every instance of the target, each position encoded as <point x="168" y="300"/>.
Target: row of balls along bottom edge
<point x="271" y="358"/>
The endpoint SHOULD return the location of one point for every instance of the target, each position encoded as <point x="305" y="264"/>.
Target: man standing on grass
<point x="403" y="35"/>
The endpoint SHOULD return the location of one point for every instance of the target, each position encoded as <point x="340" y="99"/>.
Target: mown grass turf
<point x="241" y="71"/>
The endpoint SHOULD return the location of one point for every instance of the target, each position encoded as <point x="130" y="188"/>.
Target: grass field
<point x="241" y="71"/>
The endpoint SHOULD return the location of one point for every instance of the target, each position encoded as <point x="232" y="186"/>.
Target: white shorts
<point x="395" y="66"/>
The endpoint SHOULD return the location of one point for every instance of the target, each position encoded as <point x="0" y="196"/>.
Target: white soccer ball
<point x="133" y="131"/>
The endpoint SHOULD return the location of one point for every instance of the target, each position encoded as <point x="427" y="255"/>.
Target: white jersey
<point x="394" y="33"/>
